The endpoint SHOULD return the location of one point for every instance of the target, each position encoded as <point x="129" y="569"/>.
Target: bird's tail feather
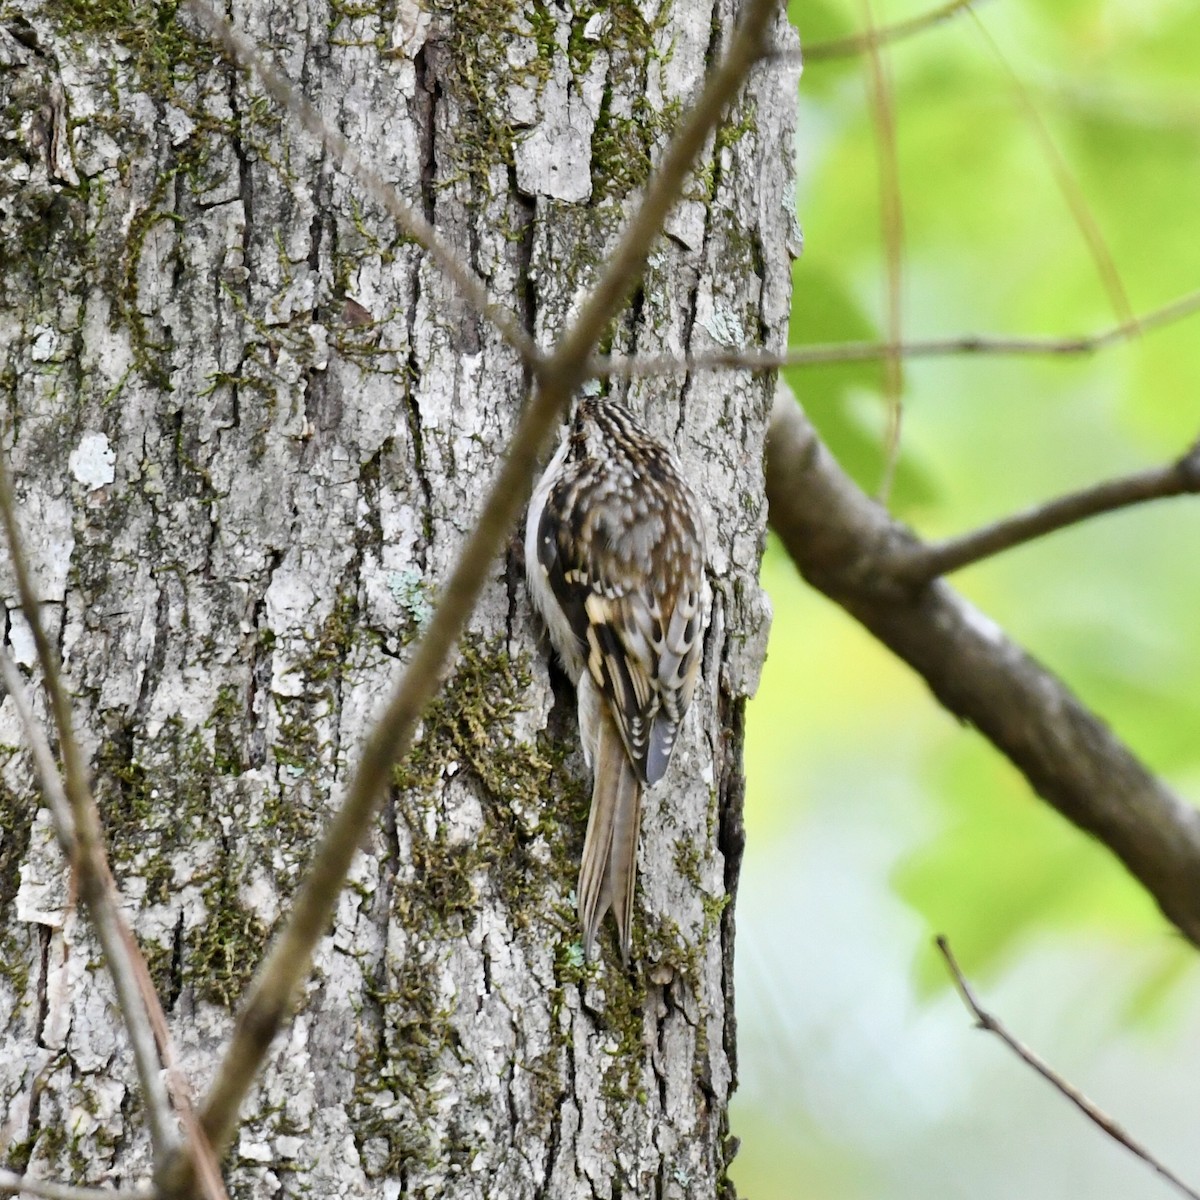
<point x="608" y="870"/>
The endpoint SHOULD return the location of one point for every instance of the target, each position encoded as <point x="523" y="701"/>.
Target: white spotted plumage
<point x="614" y="556"/>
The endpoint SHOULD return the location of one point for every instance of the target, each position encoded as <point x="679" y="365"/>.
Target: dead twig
<point x="1101" y="1119"/>
<point x="832" y="353"/>
<point x="77" y="825"/>
<point x="1068" y="186"/>
<point x="928" y="561"/>
<point x="891" y="219"/>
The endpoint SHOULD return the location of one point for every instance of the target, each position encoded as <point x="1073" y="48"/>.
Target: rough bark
<point x="250" y="424"/>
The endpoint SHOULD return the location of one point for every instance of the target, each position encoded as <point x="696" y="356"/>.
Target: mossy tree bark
<point x="249" y="425"/>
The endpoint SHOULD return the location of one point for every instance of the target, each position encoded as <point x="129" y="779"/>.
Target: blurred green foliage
<point x="990" y="247"/>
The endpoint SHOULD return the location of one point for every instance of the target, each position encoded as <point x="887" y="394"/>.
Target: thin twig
<point x="1095" y="1115"/>
<point x="825" y="354"/>
<point x="39" y="748"/>
<point x="1068" y="185"/>
<point x="859" y="43"/>
<point x="12" y="1184"/>
<point x="83" y="844"/>
<point x="242" y="51"/>
<point x="287" y="963"/>
<point x="931" y="560"/>
<point x="891" y="219"/>
<point x="178" y="1087"/>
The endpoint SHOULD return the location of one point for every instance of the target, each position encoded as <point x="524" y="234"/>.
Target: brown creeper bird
<point x="614" y="557"/>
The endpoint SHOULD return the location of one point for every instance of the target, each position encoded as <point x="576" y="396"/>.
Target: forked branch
<point x="852" y="551"/>
<point x="77" y="826"/>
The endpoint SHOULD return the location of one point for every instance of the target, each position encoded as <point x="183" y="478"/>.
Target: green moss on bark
<point x="163" y="52"/>
<point x="156" y="799"/>
<point x="16" y="825"/>
<point x="223" y="953"/>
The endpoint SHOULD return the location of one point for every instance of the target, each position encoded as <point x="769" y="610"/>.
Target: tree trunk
<point x="250" y="423"/>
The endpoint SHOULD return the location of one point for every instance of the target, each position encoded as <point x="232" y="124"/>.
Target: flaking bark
<point x="249" y="425"/>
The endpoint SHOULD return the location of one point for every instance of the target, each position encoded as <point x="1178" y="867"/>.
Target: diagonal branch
<point x="1101" y="1119"/>
<point x="1068" y="187"/>
<point x="78" y="829"/>
<point x="48" y="774"/>
<point x="146" y="1021"/>
<point x="929" y="560"/>
<point x="287" y="963"/>
<point x="853" y="552"/>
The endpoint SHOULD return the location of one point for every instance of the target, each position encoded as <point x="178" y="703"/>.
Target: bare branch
<point x="39" y="749"/>
<point x="136" y="997"/>
<point x="151" y="1023"/>
<point x="928" y="561"/>
<point x="860" y="43"/>
<point x="12" y="1184"/>
<point x="1095" y="1115"/>
<point x="83" y="843"/>
<point x="287" y="963"/>
<point x="825" y="354"/>
<point x="242" y="51"/>
<point x="853" y="552"/>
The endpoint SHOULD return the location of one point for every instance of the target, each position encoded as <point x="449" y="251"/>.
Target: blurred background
<point x="874" y="820"/>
